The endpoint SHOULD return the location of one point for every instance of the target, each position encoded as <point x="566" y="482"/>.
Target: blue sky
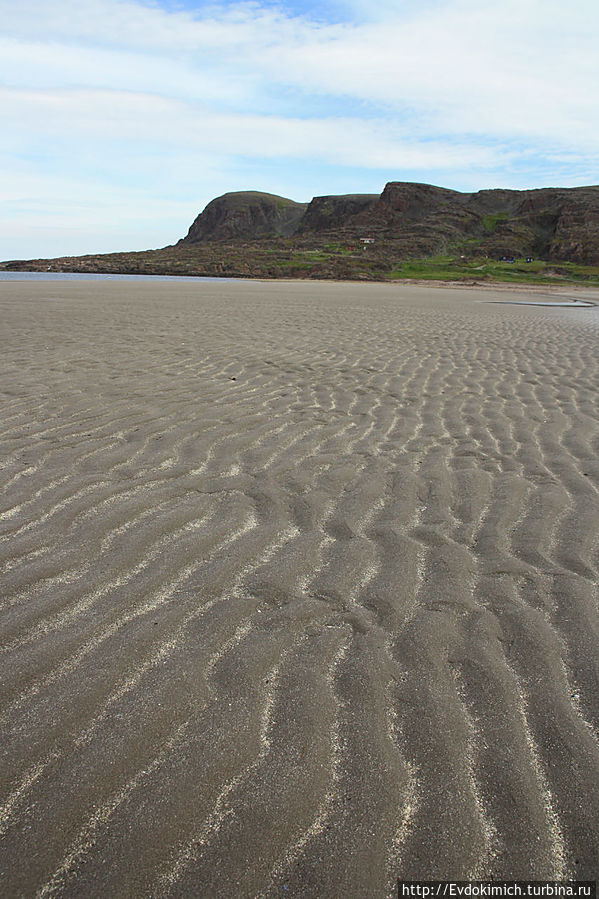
<point x="123" y="118"/>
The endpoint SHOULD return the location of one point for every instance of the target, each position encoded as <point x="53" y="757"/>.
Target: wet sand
<point x="299" y="588"/>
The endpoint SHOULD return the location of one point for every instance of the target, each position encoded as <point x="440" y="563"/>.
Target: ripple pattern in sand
<point x="299" y="589"/>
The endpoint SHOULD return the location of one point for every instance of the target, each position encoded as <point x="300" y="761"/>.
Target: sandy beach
<point x="299" y="588"/>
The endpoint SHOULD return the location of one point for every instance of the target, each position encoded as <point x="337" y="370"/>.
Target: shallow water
<point x="567" y="305"/>
<point x="77" y="276"/>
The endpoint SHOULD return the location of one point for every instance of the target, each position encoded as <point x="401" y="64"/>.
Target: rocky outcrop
<point x="246" y="215"/>
<point x="424" y="219"/>
<point x="557" y="223"/>
<point x="240" y="234"/>
<point x="575" y="237"/>
<point x="404" y="203"/>
<point x="421" y="219"/>
<point x="335" y="213"/>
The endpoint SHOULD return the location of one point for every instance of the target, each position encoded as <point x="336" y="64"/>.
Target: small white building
<point x="366" y="240"/>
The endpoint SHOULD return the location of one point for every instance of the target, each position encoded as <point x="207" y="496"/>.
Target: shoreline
<point x="549" y="289"/>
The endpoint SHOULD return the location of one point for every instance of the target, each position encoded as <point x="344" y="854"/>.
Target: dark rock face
<point x="423" y="220"/>
<point x="246" y="215"/>
<point x="576" y="233"/>
<point x="403" y="202"/>
<point x="335" y="213"/>
<point x="558" y="223"/>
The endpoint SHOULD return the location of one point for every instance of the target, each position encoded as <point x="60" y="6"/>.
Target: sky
<point x="121" y="119"/>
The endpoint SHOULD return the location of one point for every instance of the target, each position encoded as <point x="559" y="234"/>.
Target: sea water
<point x="82" y="276"/>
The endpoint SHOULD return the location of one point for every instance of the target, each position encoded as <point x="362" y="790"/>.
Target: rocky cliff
<point x="423" y="220"/>
<point x="335" y="213"/>
<point x="556" y="223"/>
<point x="246" y="215"/>
<point x="415" y="230"/>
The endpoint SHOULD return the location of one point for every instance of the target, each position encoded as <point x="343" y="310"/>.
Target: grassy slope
<point x="453" y="268"/>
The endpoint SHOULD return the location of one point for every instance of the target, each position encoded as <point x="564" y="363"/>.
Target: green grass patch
<point x="451" y="268"/>
<point x="490" y="222"/>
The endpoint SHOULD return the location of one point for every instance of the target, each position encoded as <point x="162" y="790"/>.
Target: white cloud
<point x="31" y="64"/>
<point x="513" y="68"/>
<point x="144" y="119"/>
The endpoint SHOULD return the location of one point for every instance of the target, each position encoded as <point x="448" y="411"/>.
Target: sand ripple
<point x="299" y="589"/>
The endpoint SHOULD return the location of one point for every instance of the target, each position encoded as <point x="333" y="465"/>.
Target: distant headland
<point x="410" y="230"/>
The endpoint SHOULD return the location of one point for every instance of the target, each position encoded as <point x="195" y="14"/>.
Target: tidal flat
<point x="299" y="588"/>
